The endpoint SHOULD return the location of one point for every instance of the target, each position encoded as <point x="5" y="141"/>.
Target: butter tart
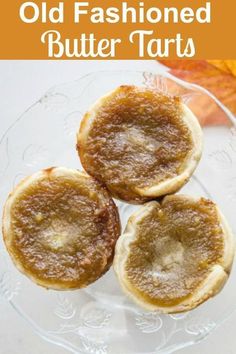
<point x="174" y="255"/>
<point x="140" y="143"/>
<point x="60" y="227"/>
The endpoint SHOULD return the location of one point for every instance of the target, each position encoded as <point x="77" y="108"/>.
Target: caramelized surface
<point x="175" y="246"/>
<point x="64" y="230"/>
<point x="138" y="139"/>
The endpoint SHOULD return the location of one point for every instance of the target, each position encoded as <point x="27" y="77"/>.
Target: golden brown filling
<point x="62" y="231"/>
<point x="175" y="246"/>
<point x="138" y="139"/>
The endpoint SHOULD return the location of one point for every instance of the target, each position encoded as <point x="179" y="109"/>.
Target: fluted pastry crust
<point x="175" y="255"/>
<point x="60" y="227"/>
<point x="140" y="143"/>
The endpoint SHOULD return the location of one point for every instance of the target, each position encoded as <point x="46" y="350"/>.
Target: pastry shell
<point x="109" y="214"/>
<point x="168" y="185"/>
<point x="209" y="286"/>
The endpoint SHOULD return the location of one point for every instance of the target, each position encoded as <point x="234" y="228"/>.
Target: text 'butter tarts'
<point x="140" y="143"/>
<point x="175" y="255"/>
<point x="60" y="227"/>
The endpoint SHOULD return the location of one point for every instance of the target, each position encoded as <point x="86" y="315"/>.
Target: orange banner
<point x="95" y="29"/>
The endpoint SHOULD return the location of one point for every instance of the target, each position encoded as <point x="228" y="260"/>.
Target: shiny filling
<point x="175" y="247"/>
<point x="138" y="139"/>
<point x="62" y="231"/>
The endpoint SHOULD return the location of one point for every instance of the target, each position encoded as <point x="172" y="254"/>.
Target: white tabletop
<point x="21" y="84"/>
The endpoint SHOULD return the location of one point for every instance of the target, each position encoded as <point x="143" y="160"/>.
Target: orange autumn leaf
<point x="219" y="77"/>
<point x="229" y="66"/>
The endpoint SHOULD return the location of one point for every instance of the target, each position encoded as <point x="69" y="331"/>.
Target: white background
<point x="21" y="84"/>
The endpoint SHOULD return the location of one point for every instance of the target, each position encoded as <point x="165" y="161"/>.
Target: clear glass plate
<point x="100" y="319"/>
